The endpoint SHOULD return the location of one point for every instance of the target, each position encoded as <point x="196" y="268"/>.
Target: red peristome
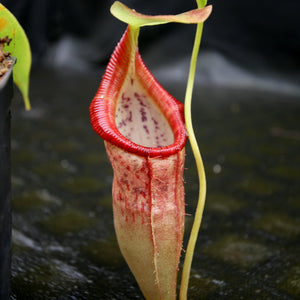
<point x="103" y="107"/>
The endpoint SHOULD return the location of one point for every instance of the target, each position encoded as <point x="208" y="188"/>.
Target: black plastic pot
<point x="6" y="93"/>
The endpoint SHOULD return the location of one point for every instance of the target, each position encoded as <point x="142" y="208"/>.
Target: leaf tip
<point x="27" y="103"/>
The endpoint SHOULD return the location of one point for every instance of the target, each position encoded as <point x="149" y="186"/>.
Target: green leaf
<point x="130" y="16"/>
<point x="20" y="48"/>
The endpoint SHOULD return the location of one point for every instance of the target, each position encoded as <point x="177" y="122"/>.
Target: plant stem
<point x="200" y="167"/>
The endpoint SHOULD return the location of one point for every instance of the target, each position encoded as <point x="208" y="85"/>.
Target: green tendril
<point x="200" y="167"/>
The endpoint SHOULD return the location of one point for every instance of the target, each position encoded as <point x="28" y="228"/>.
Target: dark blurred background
<point x="247" y="43"/>
<point x="246" y="118"/>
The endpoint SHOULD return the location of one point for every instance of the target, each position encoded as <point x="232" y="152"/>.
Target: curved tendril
<point x="200" y="168"/>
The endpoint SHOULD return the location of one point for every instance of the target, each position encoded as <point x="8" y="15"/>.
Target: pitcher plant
<point x="145" y="131"/>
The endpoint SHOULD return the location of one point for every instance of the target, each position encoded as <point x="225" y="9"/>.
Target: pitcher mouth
<point x="131" y="109"/>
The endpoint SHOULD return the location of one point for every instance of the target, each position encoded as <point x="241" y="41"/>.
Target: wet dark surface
<point x="64" y="245"/>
